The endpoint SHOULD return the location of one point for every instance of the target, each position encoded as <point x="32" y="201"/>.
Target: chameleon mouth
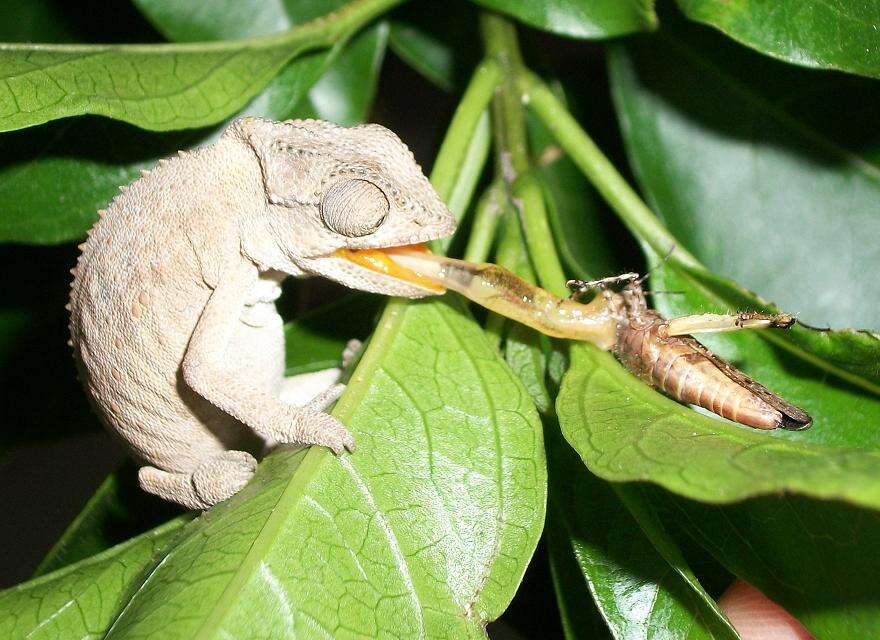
<point x="380" y="261"/>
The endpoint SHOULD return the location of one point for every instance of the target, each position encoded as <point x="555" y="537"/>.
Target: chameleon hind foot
<point x="214" y="480"/>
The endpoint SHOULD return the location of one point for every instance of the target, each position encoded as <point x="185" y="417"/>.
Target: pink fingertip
<point x="756" y="617"/>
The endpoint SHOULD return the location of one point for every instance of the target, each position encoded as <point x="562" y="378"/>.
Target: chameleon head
<point x="332" y="194"/>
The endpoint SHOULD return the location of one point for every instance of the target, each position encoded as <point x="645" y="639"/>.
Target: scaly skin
<point x="173" y="321"/>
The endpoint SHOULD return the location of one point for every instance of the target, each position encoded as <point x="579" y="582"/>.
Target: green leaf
<point x="579" y="615"/>
<point x="117" y="511"/>
<point x="54" y="179"/>
<point x="524" y="353"/>
<point x="814" y="33"/>
<point x="624" y="430"/>
<point x="638" y="592"/>
<point x="581" y="18"/>
<point x="733" y="156"/>
<point x="810" y="556"/>
<point x="160" y="87"/>
<point x="82" y="600"/>
<point x="425" y="53"/>
<point x="843" y="413"/>
<point x="35" y="21"/>
<point x="424" y="531"/>
<point x="429" y="41"/>
<point x="354" y="76"/>
<point x="226" y="19"/>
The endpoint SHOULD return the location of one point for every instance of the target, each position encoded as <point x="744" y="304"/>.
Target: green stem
<point x="511" y="252"/>
<point x="512" y="151"/>
<point x="514" y="161"/>
<point x="599" y="170"/>
<point x="490" y="208"/>
<point x="454" y="150"/>
<point x="469" y="173"/>
<point x="539" y="237"/>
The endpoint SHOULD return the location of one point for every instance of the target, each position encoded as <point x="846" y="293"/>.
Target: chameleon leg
<point x="213" y="480"/>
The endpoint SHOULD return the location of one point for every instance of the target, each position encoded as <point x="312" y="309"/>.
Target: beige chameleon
<point x="173" y="319"/>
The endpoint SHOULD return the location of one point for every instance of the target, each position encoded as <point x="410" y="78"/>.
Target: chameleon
<point x="173" y="323"/>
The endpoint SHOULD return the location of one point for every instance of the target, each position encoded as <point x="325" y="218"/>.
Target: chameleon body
<point x="173" y="320"/>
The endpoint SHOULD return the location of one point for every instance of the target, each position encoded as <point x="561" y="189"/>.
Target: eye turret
<point x="354" y="208"/>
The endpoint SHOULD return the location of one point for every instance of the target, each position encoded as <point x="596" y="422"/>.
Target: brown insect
<point x="662" y="353"/>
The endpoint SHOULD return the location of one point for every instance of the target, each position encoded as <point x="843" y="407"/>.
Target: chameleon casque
<point x="173" y="321"/>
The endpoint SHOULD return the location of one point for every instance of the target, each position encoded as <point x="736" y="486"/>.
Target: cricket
<point x="661" y="352"/>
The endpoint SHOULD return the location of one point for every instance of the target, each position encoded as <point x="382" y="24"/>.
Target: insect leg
<point x="580" y="287"/>
<point x="717" y="323"/>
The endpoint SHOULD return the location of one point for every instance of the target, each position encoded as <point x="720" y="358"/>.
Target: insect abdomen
<point x="681" y="367"/>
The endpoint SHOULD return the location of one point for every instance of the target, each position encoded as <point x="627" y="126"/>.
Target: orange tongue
<point x="378" y="260"/>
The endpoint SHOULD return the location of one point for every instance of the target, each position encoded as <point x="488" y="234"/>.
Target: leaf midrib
<point x="323" y="30"/>
<point x="389" y="323"/>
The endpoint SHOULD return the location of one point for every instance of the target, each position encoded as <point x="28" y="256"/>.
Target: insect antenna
<point x="663" y="261"/>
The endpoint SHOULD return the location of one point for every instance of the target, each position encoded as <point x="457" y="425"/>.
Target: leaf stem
<point x="490" y="209"/>
<point x="514" y="161"/>
<point x="453" y="150"/>
<point x="472" y="168"/>
<point x="539" y="237"/>
<point x="469" y="172"/>
<point x="596" y="166"/>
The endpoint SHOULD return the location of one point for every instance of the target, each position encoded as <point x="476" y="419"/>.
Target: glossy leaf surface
<point x="744" y="161"/>
<point x="638" y="592"/>
<point x="429" y="41"/>
<point x="424" y="53"/>
<point x="580" y="18"/>
<point x="159" y="87"/>
<point x="827" y="35"/>
<point x="807" y="555"/>
<point x="624" y="430"/>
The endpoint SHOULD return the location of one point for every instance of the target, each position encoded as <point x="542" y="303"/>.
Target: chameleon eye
<point x="354" y="208"/>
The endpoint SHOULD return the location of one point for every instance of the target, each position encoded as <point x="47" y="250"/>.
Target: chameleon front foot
<point x="315" y="427"/>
